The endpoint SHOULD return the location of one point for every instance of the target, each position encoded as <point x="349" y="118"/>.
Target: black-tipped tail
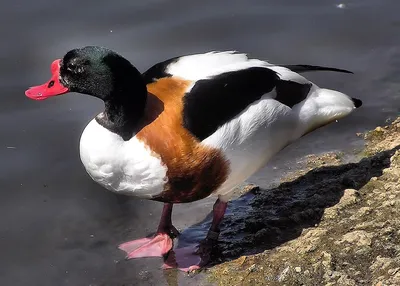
<point x="306" y="68"/>
<point x="357" y="102"/>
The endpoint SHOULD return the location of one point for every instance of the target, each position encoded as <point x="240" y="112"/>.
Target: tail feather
<point x="357" y="102"/>
<point x="306" y="68"/>
<point x="322" y="107"/>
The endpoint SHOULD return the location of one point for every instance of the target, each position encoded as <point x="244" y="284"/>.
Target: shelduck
<point x="188" y="128"/>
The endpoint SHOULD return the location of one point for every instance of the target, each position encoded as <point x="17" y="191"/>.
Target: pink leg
<point x="158" y="245"/>
<point x="196" y="256"/>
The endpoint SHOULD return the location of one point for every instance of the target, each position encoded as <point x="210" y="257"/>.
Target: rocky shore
<point x="332" y="223"/>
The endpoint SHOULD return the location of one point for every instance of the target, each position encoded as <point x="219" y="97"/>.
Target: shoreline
<point x="329" y="223"/>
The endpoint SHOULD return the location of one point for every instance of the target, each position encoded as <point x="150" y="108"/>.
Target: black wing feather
<point x="306" y="68"/>
<point x="213" y="102"/>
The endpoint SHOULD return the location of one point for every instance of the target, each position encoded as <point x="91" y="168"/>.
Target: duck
<point x="188" y="128"/>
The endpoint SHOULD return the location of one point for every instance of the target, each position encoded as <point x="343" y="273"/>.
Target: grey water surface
<point x="57" y="227"/>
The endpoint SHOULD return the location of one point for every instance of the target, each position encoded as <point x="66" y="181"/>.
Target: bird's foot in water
<point x="157" y="246"/>
<point x="191" y="257"/>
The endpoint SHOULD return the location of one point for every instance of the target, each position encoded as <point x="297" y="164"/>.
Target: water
<point x="57" y="227"/>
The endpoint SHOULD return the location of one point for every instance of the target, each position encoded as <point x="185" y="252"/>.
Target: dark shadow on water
<point x="264" y="219"/>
